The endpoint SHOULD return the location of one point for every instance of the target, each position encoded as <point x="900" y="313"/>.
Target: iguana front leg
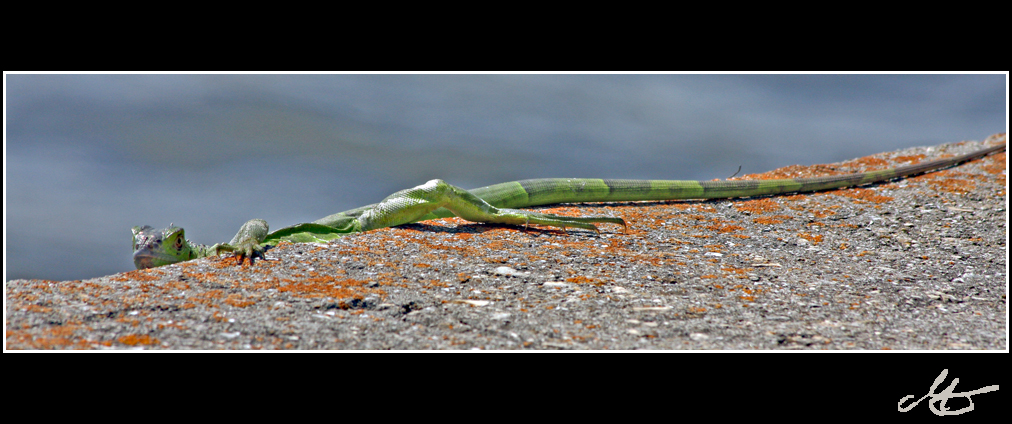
<point x="246" y="242"/>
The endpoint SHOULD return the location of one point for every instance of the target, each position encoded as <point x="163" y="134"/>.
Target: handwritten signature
<point x="944" y="396"/>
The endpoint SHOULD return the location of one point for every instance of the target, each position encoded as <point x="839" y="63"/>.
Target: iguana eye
<point x="179" y="243"/>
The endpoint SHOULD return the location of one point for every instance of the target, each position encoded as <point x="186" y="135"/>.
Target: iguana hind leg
<point x="414" y="204"/>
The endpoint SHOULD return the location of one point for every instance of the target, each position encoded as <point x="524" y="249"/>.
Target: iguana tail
<point x="546" y="191"/>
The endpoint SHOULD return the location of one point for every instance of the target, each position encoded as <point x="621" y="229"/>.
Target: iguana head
<point x="160" y="247"/>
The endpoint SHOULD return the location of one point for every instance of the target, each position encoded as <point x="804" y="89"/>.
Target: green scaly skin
<point x="496" y="204"/>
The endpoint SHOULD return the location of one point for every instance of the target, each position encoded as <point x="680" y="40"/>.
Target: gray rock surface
<point x="919" y="263"/>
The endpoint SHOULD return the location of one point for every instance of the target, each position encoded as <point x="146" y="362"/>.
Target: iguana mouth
<point x="143" y="262"/>
<point x="145" y="258"/>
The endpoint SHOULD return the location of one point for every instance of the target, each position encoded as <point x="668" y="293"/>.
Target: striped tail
<point x="544" y="191"/>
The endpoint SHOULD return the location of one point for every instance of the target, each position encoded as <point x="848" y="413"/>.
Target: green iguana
<point x="495" y="204"/>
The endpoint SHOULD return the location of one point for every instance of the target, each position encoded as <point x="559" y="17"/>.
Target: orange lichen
<point x="952" y="185"/>
<point x="823" y="213"/>
<point x="134" y="340"/>
<point x="871" y="162"/>
<point x="795" y="171"/>
<point x="911" y="159"/>
<point x="863" y="194"/>
<point x="724" y="228"/>
<point x="995" y="164"/>
<point x="208" y="298"/>
<point x="740" y="271"/>
<point x="238" y="301"/>
<point x="815" y="239"/>
<point x="37" y="309"/>
<point x="327" y="287"/>
<point x="758" y="206"/>
<point x="580" y="280"/>
<point x="772" y="220"/>
<point x="150" y="274"/>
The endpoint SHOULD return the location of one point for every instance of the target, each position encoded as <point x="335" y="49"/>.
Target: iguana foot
<point x="246" y="243"/>
<point x="525" y="218"/>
